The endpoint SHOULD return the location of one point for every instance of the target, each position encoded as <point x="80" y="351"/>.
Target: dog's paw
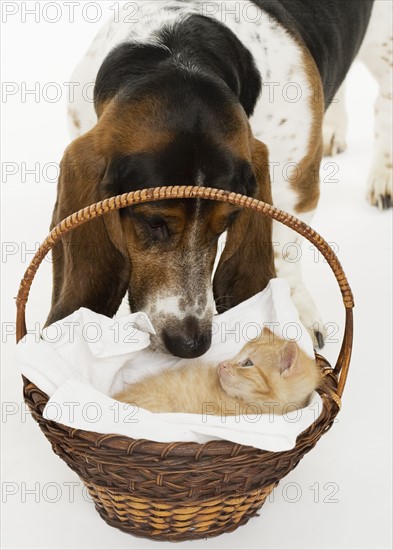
<point x="334" y="140"/>
<point x="379" y="189"/>
<point x="309" y="317"/>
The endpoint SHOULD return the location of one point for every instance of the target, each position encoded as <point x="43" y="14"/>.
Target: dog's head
<point x="163" y="253"/>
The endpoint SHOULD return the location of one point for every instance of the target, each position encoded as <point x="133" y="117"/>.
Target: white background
<point x="354" y="457"/>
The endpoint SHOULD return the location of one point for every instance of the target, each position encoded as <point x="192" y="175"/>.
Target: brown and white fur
<point x="269" y="373"/>
<point x="286" y="125"/>
<point x="295" y="146"/>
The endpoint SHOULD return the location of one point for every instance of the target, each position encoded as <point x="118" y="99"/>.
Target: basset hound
<point x="229" y="95"/>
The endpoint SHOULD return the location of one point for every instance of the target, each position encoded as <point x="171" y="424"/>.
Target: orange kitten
<point x="270" y="373"/>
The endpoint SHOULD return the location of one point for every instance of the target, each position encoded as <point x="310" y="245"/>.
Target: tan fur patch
<point x="233" y="388"/>
<point x="306" y="181"/>
<point x="131" y="126"/>
<point x="75" y="119"/>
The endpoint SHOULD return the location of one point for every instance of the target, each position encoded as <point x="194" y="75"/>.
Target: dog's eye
<point x="247" y="363"/>
<point x="155" y="223"/>
<point x="157" y="227"/>
<point x="233" y="217"/>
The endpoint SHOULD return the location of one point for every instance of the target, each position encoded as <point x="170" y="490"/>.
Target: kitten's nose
<point x="189" y="341"/>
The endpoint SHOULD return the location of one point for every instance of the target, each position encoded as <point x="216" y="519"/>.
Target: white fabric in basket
<point x="86" y="357"/>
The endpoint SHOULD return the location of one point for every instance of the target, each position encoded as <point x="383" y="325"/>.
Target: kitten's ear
<point x="288" y="359"/>
<point x="267" y="334"/>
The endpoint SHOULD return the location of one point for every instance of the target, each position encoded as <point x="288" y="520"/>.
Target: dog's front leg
<point x="287" y="258"/>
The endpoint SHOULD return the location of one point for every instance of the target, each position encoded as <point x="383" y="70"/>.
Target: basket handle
<point x="185" y="192"/>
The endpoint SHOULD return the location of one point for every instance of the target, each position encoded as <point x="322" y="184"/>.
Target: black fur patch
<point x="215" y="48"/>
<point x="179" y="164"/>
<point x="196" y="47"/>
<point x="332" y="30"/>
<point x="127" y="64"/>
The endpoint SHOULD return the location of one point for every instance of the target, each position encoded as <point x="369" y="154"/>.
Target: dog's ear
<point x="247" y="262"/>
<point x="90" y="267"/>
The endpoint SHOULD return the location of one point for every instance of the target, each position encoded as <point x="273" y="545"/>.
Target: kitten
<point x="270" y="373"/>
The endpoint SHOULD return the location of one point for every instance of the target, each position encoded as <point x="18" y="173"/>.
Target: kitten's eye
<point x="247" y="363"/>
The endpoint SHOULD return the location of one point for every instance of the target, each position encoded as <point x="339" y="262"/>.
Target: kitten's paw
<point x="379" y="191"/>
<point x="334" y="140"/>
<point x="310" y="318"/>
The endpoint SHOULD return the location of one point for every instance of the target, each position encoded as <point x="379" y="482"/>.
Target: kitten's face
<point x="270" y="370"/>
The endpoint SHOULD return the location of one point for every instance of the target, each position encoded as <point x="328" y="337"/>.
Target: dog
<point x="229" y="95"/>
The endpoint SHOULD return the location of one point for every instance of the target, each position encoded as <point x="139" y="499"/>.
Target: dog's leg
<point x="376" y="53"/>
<point x="298" y="193"/>
<point x="288" y="254"/>
<point x="335" y="125"/>
<point x="292" y="131"/>
<point x="296" y="190"/>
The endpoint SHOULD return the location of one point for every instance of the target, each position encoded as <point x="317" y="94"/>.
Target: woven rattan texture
<point x="161" y="521"/>
<point x="182" y="491"/>
<point x="138" y="484"/>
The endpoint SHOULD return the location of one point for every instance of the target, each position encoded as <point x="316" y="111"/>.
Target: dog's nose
<point x="189" y="341"/>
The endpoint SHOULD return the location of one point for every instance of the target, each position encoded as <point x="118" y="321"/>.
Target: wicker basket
<point x="182" y="491"/>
